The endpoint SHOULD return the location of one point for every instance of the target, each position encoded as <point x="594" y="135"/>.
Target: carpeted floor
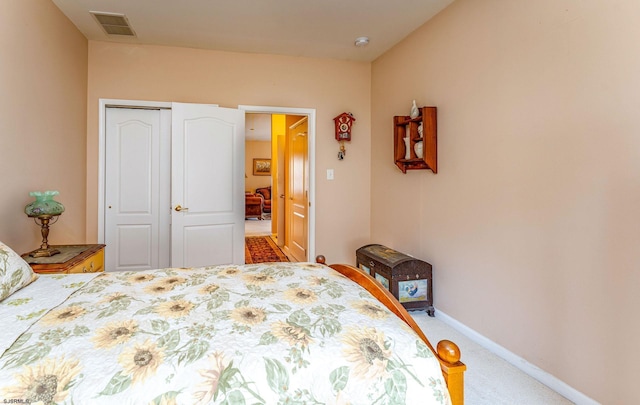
<point x="255" y="227"/>
<point x="489" y="380"/>
<point x="262" y="249"/>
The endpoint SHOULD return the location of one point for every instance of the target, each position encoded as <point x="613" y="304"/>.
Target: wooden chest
<point x="71" y="259"/>
<point x="409" y="279"/>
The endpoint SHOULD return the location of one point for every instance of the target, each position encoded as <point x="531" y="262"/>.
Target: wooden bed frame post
<point x="448" y="353"/>
<point x="452" y="369"/>
<point x="455" y="382"/>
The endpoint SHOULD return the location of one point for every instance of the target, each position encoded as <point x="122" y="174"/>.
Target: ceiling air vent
<point x="114" y="24"/>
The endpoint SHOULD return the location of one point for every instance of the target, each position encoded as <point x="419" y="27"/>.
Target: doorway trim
<point x="311" y="145"/>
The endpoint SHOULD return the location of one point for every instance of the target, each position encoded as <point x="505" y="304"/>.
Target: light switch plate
<point x="329" y="174"/>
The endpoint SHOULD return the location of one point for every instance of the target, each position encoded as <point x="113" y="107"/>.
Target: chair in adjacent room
<point x="265" y="192"/>
<point x="253" y="206"/>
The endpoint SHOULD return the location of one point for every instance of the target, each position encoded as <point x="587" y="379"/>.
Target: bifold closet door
<point x="174" y="187"/>
<point x="137" y="189"/>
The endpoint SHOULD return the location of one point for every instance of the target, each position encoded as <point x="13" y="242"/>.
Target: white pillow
<point x="15" y="273"/>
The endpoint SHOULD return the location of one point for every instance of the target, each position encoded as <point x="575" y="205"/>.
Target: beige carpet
<point x="489" y="379"/>
<point x="257" y="227"/>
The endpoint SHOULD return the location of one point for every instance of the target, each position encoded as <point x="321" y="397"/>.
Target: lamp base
<point x="48" y="252"/>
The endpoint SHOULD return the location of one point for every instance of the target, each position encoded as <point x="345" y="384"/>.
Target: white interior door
<point x="207" y="185"/>
<point x="137" y="188"/>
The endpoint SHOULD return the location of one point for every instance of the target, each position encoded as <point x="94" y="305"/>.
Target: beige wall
<point x="256" y="150"/>
<point x="119" y="71"/>
<point x="533" y="222"/>
<point x="43" y="77"/>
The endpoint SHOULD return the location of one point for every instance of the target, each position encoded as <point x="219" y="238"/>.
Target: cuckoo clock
<point x="343" y="126"/>
<point x="343" y="123"/>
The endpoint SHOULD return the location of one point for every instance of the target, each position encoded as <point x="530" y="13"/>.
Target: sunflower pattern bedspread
<point x="283" y="333"/>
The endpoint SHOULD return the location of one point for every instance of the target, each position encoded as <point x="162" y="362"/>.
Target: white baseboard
<point x="535" y="372"/>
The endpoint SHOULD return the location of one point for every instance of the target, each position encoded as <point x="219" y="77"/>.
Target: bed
<point x="297" y="333"/>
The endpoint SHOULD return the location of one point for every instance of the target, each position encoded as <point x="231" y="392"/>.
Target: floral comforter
<point x="278" y="333"/>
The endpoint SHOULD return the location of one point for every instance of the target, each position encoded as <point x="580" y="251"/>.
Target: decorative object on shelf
<point x="407" y="148"/>
<point x="43" y="210"/>
<point x="343" y="123"/>
<point x="415" y="112"/>
<point x="418" y="148"/>
<point x="422" y="134"/>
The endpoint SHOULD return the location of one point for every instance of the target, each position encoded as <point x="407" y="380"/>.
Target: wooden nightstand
<point x="71" y="259"/>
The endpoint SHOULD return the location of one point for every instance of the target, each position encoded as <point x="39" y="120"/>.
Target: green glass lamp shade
<point x="44" y="204"/>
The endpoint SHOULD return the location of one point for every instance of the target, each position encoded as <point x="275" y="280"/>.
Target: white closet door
<point x="207" y="185"/>
<point x="137" y="205"/>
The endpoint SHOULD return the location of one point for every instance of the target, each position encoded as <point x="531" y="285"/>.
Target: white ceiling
<point x="310" y="28"/>
<point x="257" y="127"/>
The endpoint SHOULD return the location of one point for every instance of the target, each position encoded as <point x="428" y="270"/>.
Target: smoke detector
<point x="362" y="41"/>
<point x="113" y="24"/>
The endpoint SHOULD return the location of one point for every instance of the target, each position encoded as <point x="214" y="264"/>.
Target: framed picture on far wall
<point x="262" y="167"/>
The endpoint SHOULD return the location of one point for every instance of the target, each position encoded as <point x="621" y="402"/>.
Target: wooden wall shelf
<point x="405" y="126"/>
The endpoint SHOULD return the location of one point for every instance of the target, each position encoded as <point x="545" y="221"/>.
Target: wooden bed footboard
<point x="447" y="352"/>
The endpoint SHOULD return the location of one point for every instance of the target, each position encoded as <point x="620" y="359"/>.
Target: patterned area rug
<point x="262" y="249"/>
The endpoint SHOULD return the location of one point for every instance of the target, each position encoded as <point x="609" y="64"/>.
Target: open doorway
<point x="282" y="138"/>
<point x="259" y="175"/>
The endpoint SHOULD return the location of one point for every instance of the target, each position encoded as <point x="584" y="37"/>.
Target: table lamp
<point x="43" y="210"/>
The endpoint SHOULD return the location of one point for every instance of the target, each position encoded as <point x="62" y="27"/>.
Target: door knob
<point x="179" y="208"/>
